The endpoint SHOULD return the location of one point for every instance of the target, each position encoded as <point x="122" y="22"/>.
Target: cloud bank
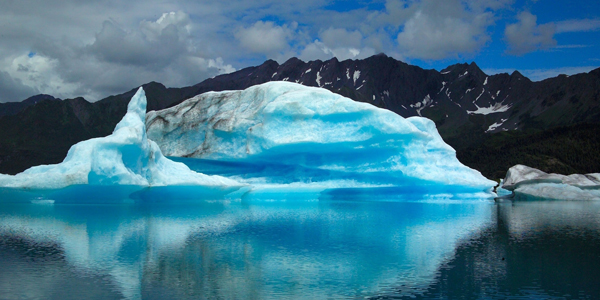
<point x="93" y="49"/>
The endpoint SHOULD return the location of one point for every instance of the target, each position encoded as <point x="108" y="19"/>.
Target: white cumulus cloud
<point x="578" y="25"/>
<point x="154" y="29"/>
<point x="117" y="59"/>
<point x="265" y="37"/>
<point x="40" y="73"/>
<point x="441" y="29"/>
<point x="527" y="36"/>
<point x="337" y="42"/>
<point x="340" y="37"/>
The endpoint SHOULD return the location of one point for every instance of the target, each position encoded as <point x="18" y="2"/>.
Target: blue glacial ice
<point x="530" y="183"/>
<point x="285" y="135"/>
<point x="125" y="158"/>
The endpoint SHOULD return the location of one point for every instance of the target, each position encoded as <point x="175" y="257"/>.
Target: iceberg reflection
<point x="240" y="248"/>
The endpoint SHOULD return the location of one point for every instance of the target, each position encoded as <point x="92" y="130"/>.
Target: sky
<point x="97" y="48"/>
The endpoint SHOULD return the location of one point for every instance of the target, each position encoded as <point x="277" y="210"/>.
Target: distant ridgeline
<point x="494" y="122"/>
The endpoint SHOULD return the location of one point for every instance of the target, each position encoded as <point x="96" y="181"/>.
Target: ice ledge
<point x="529" y="182"/>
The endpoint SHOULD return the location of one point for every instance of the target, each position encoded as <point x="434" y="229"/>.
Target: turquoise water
<point x="99" y="242"/>
<point x="294" y="248"/>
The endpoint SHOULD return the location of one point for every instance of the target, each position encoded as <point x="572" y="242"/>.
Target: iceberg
<point x="126" y="157"/>
<point x="530" y="183"/>
<point x="299" y="136"/>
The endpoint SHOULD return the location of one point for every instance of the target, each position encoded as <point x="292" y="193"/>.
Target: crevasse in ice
<point x="313" y="134"/>
<point x="126" y="157"/>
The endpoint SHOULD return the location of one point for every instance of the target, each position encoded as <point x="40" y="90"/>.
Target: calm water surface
<point x="300" y="249"/>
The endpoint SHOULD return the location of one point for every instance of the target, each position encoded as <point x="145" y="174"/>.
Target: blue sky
<point x="99" y="48"/>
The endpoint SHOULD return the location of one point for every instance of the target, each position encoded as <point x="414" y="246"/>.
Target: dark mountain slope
<point x="40" y="134"/>
<point x="564" y="150"/>
<point x="13" y="108"/>
<point x="43" y="132"/>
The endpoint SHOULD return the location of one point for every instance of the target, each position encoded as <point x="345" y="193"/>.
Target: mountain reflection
<point x="539" y="250"/>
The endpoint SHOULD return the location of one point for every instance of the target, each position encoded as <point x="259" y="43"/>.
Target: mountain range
<point x="493" y="121"/>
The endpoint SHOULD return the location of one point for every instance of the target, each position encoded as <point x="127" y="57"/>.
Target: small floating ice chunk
<point x="529" y="182"/>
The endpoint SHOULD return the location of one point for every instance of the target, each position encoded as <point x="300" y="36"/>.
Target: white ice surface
<point x="533" y="183"/>
<point x="314" y="128"/>
<point x="126" y="157"/>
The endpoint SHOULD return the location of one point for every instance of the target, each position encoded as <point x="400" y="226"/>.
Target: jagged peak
<point x="317" y="62"/>
<point x="292" y="60"/>
<point x="459" y="67"/>
<point x="269" y="63"/>
<point x="516" y="73"/>
<point x="77" y="99"/>
<point x="476" y="71"/>
<point x="377" y="56"/>
<point x="595" y="72"/>
<point x="333" y="60"/>
<point x="474" y="67"/>
<point x="37" y="98"/>
<point x="152" y="84"/>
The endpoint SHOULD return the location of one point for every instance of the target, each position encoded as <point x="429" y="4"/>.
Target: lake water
<point x="364" y="246"/>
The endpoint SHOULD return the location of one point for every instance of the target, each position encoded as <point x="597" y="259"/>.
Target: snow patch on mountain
<point x="496" y="108"/>
<point x="496" y="125"/>
<point x="482" y="91"/>
<point x="319" y="78"/>
<point x="443" y="85"/>
<point x="427" y="101"/>
<point x="356" y="76"/>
